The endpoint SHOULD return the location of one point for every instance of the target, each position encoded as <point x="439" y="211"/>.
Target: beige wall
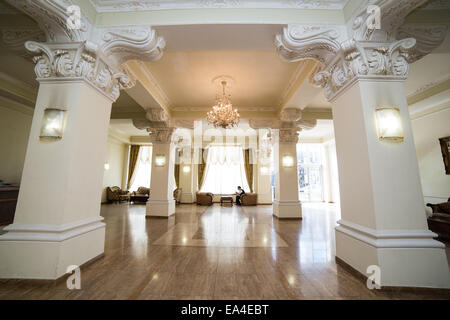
<point x="427" y="130"/>
<point x="116" y="156"/>
<point x="14" y="131"/>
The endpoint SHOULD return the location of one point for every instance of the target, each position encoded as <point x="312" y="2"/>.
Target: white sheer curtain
<point x="225" y="170"/>
<point x="143" y="169"/>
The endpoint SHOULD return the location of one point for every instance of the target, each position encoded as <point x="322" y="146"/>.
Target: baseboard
<point x="363" y="278"/>
<point x="61" y="278"/>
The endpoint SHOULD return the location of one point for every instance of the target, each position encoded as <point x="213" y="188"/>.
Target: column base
<point x="407" y="258"/>
<point x="160" y="208"/>
<point x="187" y="197"/>
<point x="287" y="209"/>
<point x="265" y="198"/>
<point x="45" y="251"/>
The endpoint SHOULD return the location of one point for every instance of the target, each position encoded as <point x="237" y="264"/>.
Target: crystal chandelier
<point x="222" y="114"/>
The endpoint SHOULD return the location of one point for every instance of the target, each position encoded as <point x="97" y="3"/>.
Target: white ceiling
<point x="260" y="77"/>
<point x="324" y="130"/>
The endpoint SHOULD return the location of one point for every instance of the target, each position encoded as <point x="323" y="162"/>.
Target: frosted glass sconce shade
<point x="53" y="123"/>
<point x="160" y="160"/>
<point x="288" y="161"/>
<point x="389" y="124"/>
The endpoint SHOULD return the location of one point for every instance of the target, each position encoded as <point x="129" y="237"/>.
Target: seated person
<point x="239" y="193"/>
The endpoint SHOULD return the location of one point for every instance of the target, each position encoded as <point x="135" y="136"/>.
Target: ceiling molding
<point x="17" y="88"/>
<point x="141" y="140"/>
<point x="140" y="71"/>
<point x="16" y="106"/>
<point x="303" y="71"/>
<point x="116" y="136"/>
<point x="128" y="115"/>
<point x="434" y="109"/>
<point x="103" y="6"/>
<point x="429" y="90"/>
<point x="317" y="113"/>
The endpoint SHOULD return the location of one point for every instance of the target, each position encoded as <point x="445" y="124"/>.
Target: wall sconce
<point x="106" y="166"/>
<point x="264" y="170"/>
<point x="160" y="160"/>
<point x="53" y="123"/>
<point x="389" y="124"/>
<point x="288" y="161"/>
<point x="186" y="169"/>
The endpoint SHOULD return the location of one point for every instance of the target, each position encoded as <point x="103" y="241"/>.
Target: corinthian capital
<point x="288" y="135"/>
<point x="161" y="135"/>
<point x="366" y="61"/>
<point x="78" y="50"/>
<point x="77" y="60"/>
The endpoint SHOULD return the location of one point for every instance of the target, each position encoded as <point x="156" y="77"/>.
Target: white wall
<point x="427" y="130"/>
<point x="14" y="131"/>
<point x="116" y="156"/>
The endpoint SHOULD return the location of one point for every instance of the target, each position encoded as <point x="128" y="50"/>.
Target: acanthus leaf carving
<point x="161" y="135"/>
<point x="366" y="60"/>
<point x="75" y="60"/>
<point x="90" y="53"/>
<point x="288" y="135"/>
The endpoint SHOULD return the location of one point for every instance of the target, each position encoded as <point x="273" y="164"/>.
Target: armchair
<point x="141" y="195"/>
<point x="204" y="198"/>
<point x="177" y="195"/>
<point x="115" y="194"/>
<point x="249" y="199"/>
<point x="439" y="220"/>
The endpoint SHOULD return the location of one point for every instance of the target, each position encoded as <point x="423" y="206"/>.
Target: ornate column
<point x="161" y="202"/>
<point x="57" y="221"/>
<point x="264" y="185"/>
<point x="286" y="203"/>
<point x="383" y="216"/>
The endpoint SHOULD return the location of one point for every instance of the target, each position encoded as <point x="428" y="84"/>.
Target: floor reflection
<point x="214" y="253"/>
<point x="222" y="227"/>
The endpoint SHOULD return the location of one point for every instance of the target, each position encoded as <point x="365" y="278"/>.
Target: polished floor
<point x="214" y="253"/>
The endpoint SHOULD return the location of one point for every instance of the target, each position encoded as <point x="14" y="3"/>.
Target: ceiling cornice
<point x="103" y="6"/>
<point x="429" y="90"/>
<point x="303" y="71"/>
<point x="140" y="71"/>
<point x="17" y="88"/>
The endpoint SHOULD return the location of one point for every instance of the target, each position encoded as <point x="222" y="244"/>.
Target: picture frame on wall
<point x="445" y="148"/>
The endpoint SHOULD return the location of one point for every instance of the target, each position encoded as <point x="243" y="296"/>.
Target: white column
<point x="161" y="202"/>
<point x="263" y="174"/>
<point x="286" y="203"/>
<point x="383" y="216"/>
<point x="187" y="182"/>
<point x="57" y="221"/>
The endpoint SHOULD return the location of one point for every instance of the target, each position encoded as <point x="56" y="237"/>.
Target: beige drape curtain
<point x="176" y="171"/>
<point x="134" y="156"/>
<point x="248" y="168"/>
<point x="201" y="167"/>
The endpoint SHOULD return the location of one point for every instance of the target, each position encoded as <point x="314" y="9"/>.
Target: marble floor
<point x="214" y="253"/>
